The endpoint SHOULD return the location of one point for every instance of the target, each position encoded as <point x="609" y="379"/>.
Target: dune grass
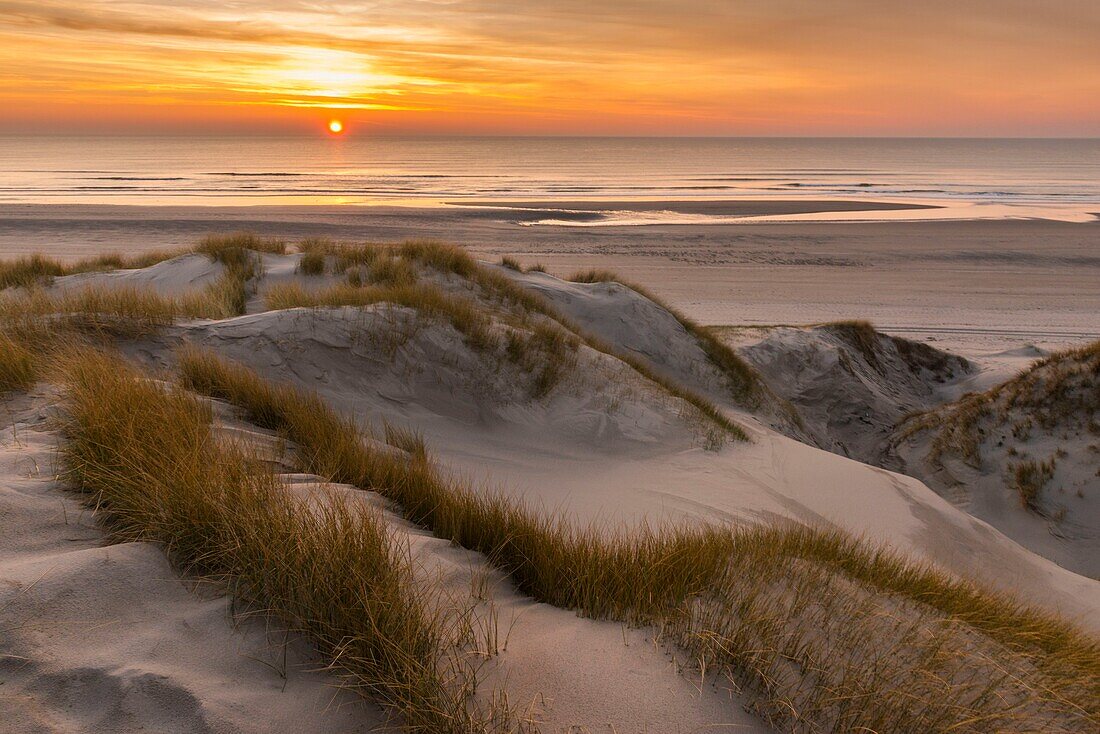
<point x="19" y="366"/>
<point x="39" y="318"/>
<point x="237" y="254"/>
<point x="545" y="350"/>
<point x="821" y="631"/>
<point x="145" y="457"/>
<point x="861" y="335"/>
<point x="817" y="650"/>
<point x="39" y="270"/>
<point x="230" y="248"/>
<point x="510" y="536"/>
<point x="1029" y="479"/>
<point x="395" y="272"/>
<point x="123" y="311"/>
<point x="227" y="296"/>
<point x="1057" y="392"/>
<point x="461" y="313"/>
<point x="28" y="271"/>
<point x="35" y="270"/>
<point x="312" y="262"/>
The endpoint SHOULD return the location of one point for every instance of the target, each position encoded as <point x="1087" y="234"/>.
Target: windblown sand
<point x="604" y="449"/>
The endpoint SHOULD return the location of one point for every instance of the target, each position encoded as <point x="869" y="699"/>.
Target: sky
<point x="559" y="67"/>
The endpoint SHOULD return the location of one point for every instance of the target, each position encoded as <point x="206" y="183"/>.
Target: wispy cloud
<point x="711" y="66"/>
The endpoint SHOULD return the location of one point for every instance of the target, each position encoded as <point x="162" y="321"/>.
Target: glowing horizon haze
<point x="626" y="67"/>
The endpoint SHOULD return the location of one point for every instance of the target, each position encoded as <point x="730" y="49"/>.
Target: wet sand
<point x="738" y="208"/>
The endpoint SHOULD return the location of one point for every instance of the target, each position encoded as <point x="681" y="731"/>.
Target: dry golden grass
<point x="510" y="536"/>
<point x="19" y="366"/>
<point x="40" y="318"/>
<point x="237" y="254"/>
<point x="229" y="248"/>
<point x="145" y="457"/>
<point x="822" y="632"/>
<point x="34" y="270"/>
<point x="463" y="314"/>
<point x="1056" y="392"/>
<point x="545" y="350"/>
<point x="225" y="297"/>
<point x="395" y="272"/>
<point x="861" y="335"/>
<point x="312" y="263"/>
<point x="115" y="311"/>
<point x="29" y="271"/>
<point x="1029" y="479"/>
<point x="817" y="649"/>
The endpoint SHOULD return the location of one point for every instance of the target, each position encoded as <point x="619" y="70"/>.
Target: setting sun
<point x="335" y="127"/>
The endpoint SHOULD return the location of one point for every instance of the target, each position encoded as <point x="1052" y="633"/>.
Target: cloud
<point x="730" y="65"/>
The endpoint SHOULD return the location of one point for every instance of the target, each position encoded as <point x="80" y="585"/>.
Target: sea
<point x="995" y="178"/>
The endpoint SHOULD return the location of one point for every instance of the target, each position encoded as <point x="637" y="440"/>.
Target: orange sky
<point x="689" y="67"/>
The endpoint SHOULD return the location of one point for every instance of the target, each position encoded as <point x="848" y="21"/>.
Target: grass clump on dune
<point x="19" y="366"/>
<point x="861" y="335"/>
<point x="461" y="313"/>
<point x="395" y="272"/>
<point x="1029" y="479"/>
<point x="312" y="263"/>
<point x="229" y="248"/>
<point x="820" y="631"/>
<point x="237" y="254"/>
<point x="1060" y="392"/>
<point x="39" y="317"/>
<point x="819" y="649"/>
<point x="227" y="296"/>
<point x="40" y="270"/>
<point x="546" y="350"/>
<point x="29" y="271"/>
<point x="123" y="311"/>
<point x="146" y="457"/>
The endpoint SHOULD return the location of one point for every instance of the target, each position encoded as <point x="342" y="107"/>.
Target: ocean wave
<point x="270" y="174"/>
<point x="139" y="178"/>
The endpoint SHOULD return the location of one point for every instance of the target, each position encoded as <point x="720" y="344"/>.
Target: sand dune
<point x="1023" y="454"/>
<point x="617" y="436"/>
<point x="106" y="637"/>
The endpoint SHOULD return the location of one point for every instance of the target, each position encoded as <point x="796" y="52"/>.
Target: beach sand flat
<point x="987" y="286"/>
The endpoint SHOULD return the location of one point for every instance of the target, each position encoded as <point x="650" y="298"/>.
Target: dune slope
<point x="611" y="414"/>
<point x="1023" y="455"/>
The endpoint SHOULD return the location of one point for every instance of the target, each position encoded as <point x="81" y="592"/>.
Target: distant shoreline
<point x="725" y="207"/>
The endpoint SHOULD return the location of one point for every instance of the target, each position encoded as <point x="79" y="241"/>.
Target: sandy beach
<point x="975" y="285"/>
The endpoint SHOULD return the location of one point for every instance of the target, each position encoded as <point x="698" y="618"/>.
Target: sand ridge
<point x="605" y="446"/>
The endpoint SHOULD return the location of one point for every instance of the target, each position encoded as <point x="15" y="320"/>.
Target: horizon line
<point x="488" y="136"/>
